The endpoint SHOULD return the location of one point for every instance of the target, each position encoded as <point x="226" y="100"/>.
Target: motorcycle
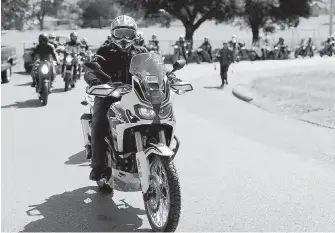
<point x="242" y="53"/>
<point x="281" y="52"/>
<point x="44" y="71"/>
<point x="178" y="54"/>
<point x="255" y="53"/>
<point x="304" y="51"/>
<point x="153" y="48"/>
<point x="328" y="49"/>
<point x="72" y="65"/>
<point x="142" y="128"/>
<point x="202" y="55"/>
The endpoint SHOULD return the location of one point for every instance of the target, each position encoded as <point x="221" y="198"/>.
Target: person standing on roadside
<point x="225" y="56"/>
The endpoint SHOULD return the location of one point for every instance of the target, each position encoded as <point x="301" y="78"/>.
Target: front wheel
<point x="67" y="81"/>
<point x="163" y="204"/>
<point x="45" y="93"/>
<point x="6" y="75"/>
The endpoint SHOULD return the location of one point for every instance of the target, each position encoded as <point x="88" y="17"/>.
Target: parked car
<point x="29" y="60"/>
<point x="8" y="60"/>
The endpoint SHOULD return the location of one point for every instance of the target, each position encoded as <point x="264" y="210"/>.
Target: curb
<point x="242" y="93"/>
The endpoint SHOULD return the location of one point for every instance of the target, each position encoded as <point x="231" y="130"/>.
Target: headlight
<point x="165" y="112"/>
<point x="68" y="59"/>
<point x="146" y="113"/>
<point x="276" y="47"/>
<point x="176" y="46"/>
<point x="45" y="69"/>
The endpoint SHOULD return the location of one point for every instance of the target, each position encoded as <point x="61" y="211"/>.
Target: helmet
<point x="123" y="30"/>
<point x="52" y="37"/>
<point x="181" y="38"/>
<point x="43" y="38"/>
<point x="109" y="37"/>
<point x="73" y="36"/>
<point x="234" y="38"/>
<point x="84" y="40"/>
<point x="154" y="37"/>
<point x="206" y="39"/>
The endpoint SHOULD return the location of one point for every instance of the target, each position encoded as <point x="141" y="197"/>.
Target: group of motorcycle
<point x="72" y="58"/>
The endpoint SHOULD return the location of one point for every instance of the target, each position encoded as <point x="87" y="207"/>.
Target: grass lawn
<point x="308" y="93"/>
<point x="217" y="33"/>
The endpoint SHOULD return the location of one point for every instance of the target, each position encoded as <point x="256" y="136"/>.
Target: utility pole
<point x="331" y="13"/>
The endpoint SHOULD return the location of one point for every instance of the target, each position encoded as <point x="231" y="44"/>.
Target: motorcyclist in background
<point x="139" y="41"/>
<point x="155" y="41"/>
<point x="182" y="44"/>
<point x="45" y="51"/>
<point x="109" y="40"/>
<point x="84" y="44"/>
<point x="207" y="47"/>
<point x="114" y="60"/>
<point x="72" y="43"/>
<point x="280" y="42"/>
<point x="233" y="46"/>
<point x="52" y="40"/>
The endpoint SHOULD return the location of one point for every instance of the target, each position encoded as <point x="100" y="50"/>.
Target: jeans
<point x="100" y="130"/>
<point x="223" y="72"/>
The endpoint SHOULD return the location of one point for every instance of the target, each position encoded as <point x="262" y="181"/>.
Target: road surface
<point x="241" y="168"/>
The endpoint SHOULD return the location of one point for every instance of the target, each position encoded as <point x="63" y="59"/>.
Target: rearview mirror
<point x="181" y="87"/>
<point x="179" y="64"/>
<point x="93" y="66"/>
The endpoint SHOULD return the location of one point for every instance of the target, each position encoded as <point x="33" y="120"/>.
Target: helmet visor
<point x="121" y="33"/>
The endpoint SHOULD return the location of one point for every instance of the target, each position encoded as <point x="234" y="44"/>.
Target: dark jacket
<point x="116" y="65"/>
<point x="45" y="52"/>
<point x="70" y="43"/>
<point x="225" y="56"/>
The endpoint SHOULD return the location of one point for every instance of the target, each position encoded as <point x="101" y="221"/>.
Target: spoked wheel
<point x="163" y="203"/>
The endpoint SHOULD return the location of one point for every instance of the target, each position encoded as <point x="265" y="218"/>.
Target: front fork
<point x="142" y="160"/>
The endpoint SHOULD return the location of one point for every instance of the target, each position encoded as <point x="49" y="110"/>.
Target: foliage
<point x="192" y="13"/>
<point x="13" y="13"/>
<point x="97" y="13"/>
<point x="258" y="14"/>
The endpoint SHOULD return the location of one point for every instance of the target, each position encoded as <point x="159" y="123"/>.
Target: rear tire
<point x="45" y="93"/>
<point x="6" y="75"/>
<point x="66" y="82"/>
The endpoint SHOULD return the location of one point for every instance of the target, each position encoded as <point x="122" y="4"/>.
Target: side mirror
<point x="179" y="64"/>
<point x="181" y="87"/>
<point x="93" y="66"/>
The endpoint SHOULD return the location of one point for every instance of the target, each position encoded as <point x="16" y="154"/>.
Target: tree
<point x="192" y="13"/>
<point x="98" y="11"/>
<point x="258" y="14"/>
<point x="42" y="8"/>
<point x="13" y="14"/>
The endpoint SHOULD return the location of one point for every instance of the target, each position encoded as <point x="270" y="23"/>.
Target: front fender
<point x="143" y="163"/>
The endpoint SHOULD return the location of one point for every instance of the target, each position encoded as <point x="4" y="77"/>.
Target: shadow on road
<point x="33" y="103"/>
<point x="68" y="212"/>
<point x="78" y="158"/>
<point x="58" y="90"/>
<point x="21" y="72"/>
<point x="24" y="84"/>
<point x="214" y="87"/>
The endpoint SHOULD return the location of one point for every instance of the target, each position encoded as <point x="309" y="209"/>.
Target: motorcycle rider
<point x="52" y="40"/>
<point x="116" y="61"/>
<point x="233" y="46"/>
<point x="206" y="46"/>
<point x="109" y="40"/>
<point x="155" y="41"/>
<point x="181" y="43"/>
<point x="139" y="39"/>
<point x="84" y="45"/>
<point x="72" y="43"/>
<point x="45" y="51"/>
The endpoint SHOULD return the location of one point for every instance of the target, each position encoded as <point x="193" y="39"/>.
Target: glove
<point x="173" y="79"/>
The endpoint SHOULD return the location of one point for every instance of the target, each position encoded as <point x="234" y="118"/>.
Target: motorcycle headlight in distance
<point x="45" y="69"/>
<point x="68" y="59"/>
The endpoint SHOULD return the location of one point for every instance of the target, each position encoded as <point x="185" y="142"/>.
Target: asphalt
<point x="241" y="168"/>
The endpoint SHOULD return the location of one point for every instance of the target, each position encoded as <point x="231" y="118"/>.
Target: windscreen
<point x="150" y="69"/>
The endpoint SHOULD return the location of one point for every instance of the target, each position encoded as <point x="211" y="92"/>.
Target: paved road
<point x="241" y="168"/>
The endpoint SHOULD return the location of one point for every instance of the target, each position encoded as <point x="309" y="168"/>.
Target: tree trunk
<point x="99" y="22"/>
<point x="189" y="31"/>
<point x="41" y="23"/>
<point x="255" y="33"/>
